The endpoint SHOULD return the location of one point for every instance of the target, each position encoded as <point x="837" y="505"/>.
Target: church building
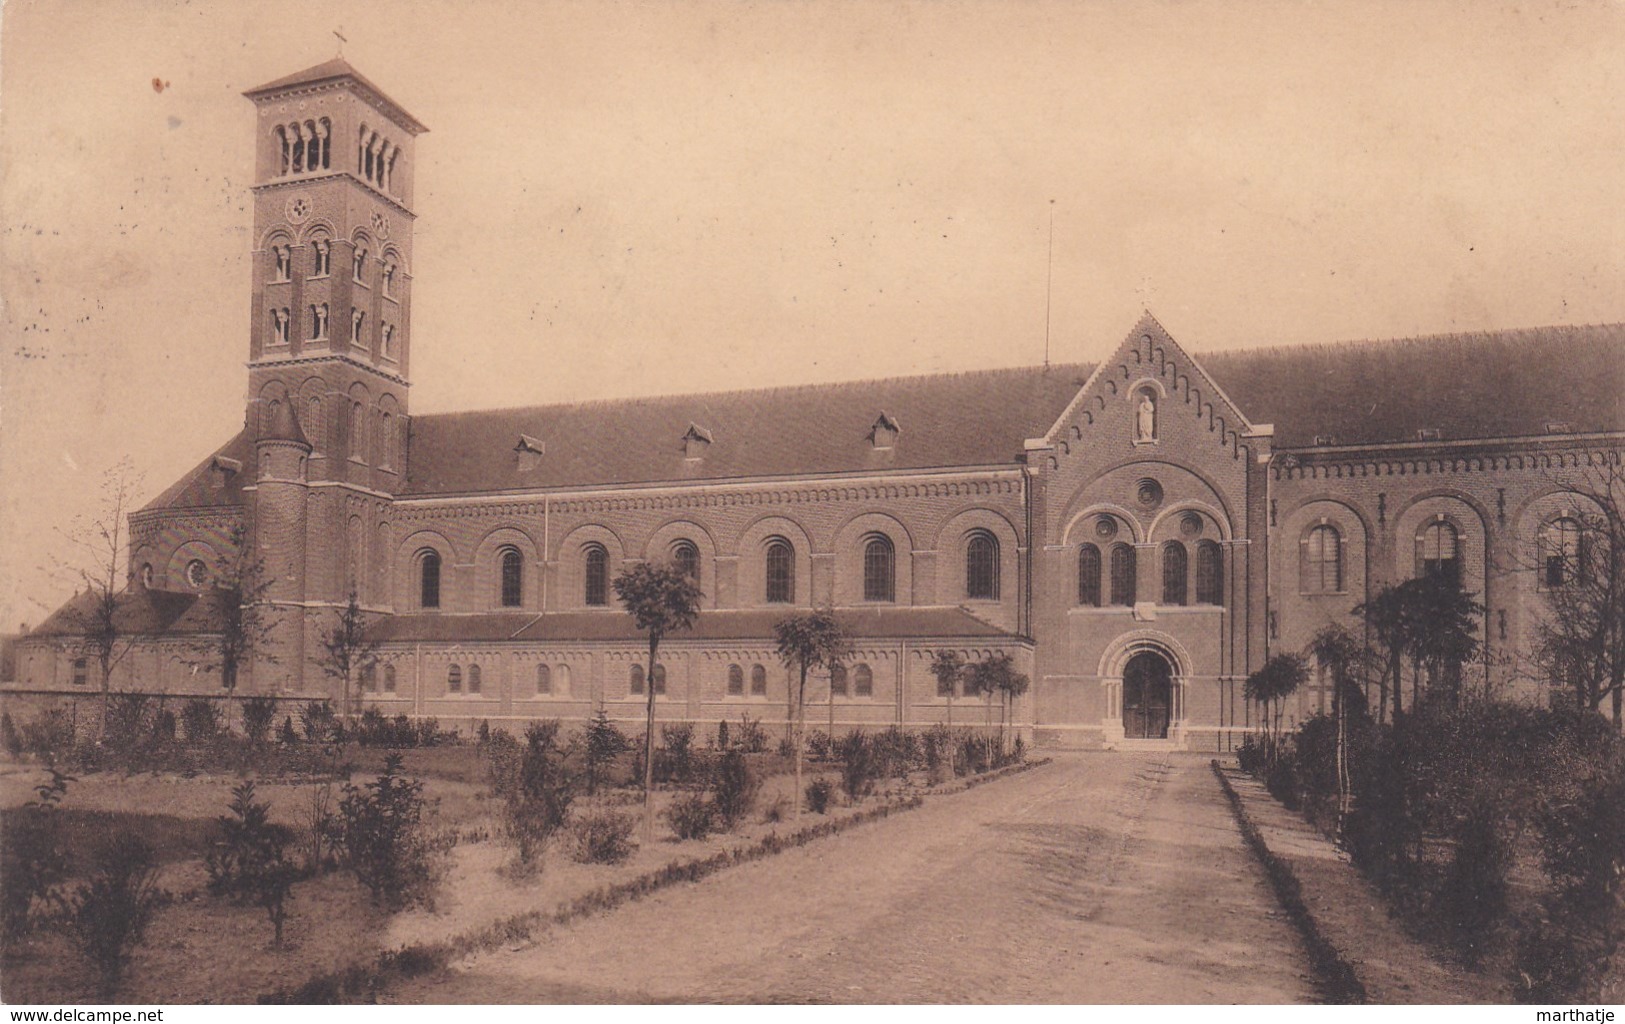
<point x="1139" y="534"/>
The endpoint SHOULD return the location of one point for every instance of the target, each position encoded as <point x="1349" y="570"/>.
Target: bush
<point x="936" y="748"/>
<point x="108" y="915"/>
<point x="722" y="735"/>
<point x="249" y="862"/>
<point x="677" y="746"/>
<point x="381" y="837"/>
<point x="287" y="737"/>
<point x="258" y="714"/>
<point x="895" y="752"/>
<point x="12" y="741"/>
<point x="819" y="792"/>
<point x="1250" y="755"/>
<point x="539" y="802"/>
<point x="752" y="740"/>
<point x="200" y="720"/>
<point x="858" y="765"/>
<point x="974" y="754"/>
<point x="818" y="745"/>
<point x="128" y="729"/>
<point x="36" y="858"/>
<point x="602" y="837"/>
<point x="604" y="743"/>
<point x="163" y="727"/>
<point x="428" y="730"/>
<point x="317" y="717"/>
<point x="691" y="816"/>
<point x="733" y="789"/>
<point x="51" y="735"/>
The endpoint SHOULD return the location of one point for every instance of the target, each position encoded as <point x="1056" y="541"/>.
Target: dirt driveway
<point x="1100" y="878"/>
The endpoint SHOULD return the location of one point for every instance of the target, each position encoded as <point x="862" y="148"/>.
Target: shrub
<point x="383" y="839"/>
<point x="1250" y="755"/>
<point x="128" y="729"/>
<point x="733" y="789"/>
<point x="752" y="740"/>
<point x="543" y="790"/>
<point x="602" y="837"/>
<point x="786" y="748"/>
<point x="287" y="736"/>
<point x="1473" y="898"/>
<point x="818" y="745"/>
<point x="428" y="732"/>
<point x="722" y="735"/>
<point x="249" y="862"/>
<point x="858" y="765"/>
<point x="51" y="735"/>
<point x="895" y="752"/>
<point x="316" y="717"/>
<point x="36" y="859"/>
<point x="604" y="743"/>
<point x="258" y="714"/>
<point x="13" y="742"/>
<point x="819" y="792"/>
<point x="677" y="744"/>
<point x="163" y="727"/>
<point x="1281" y="777"/>
<point x="107" y="916"/>
<point x="776" y="811"/>
<point x="936" y="748"/>
<point x="691" y="816"/>
<point x="200" y="720"/>
<point x="974" y="755"/>
<point x="319" y="826"/>
<point x="484" y="732"/>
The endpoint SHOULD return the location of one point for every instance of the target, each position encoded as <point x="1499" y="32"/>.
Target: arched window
<point x="369" y="678"/>
<point x="596" y="572"/>
<point x="1437" y="552"/>
<point x="1562" y="553"/>
<point x="982" y="567"/>
<point x="736" y="681"/>
<point x="429" y="579"/>
<point x="863" y="681"/>
<point x="473" y="679"/>
<point x="358" y="264"/>
<point x="781" y="572"/>
<point x="454" y="679"/>
<point x="636" y="678"/>
<point x="659" y="680"/>
<point x="1089" y="576"/>
<point x="837" y="680"/>
<point x="1174" y="574"/>
<point x="318" y="321"/>
<point x="286" y="146"/>
<point x="282" y="257"/>
<point x="1124" y="584"/>
<point x="279" y="326"/>
<point x="561" y="679"/>
<point x="388" y="279"/>
<point x="758" y="681"/>
<point x="1321" y="564"/>
<point x="389" y="678"/>
<point x="685" y="558"/>
<point x="879" y="570"/>
<point x="1209" y="573"/>
<point x="513" y="578"/>
<point x="544" y="681"/>
<point x="324" y="258"/>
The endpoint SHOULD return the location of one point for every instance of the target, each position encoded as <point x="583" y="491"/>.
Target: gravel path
<point x="1099" y="878"/>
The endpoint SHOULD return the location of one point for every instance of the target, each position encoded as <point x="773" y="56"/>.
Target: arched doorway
<point x="1147" y="696"/>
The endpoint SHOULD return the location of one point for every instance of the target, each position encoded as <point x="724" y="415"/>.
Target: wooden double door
<point x="1147" y="696"/>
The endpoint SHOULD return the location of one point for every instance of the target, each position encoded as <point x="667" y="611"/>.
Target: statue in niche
<point x="1146" y="421"/>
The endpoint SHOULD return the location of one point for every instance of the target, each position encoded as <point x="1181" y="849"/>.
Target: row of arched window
<point x="322" y="265"/>
<point x="779" y="571"/>
<point x="306" y="146"/>
<point x="376" y="157"/>
<point x="1122" y="577"/>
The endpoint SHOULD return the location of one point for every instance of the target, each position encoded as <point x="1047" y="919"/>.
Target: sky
<point x="620" y="199"/>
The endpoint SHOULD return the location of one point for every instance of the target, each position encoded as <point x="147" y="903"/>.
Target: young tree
<point x="1388" y="616"/>
<point x="346" y="649"/>
<point x="1445" y="618"/>
<point x="949" y="668"/>
<point x="996" y="676"/>
<point x="662" y="599"/>
<point x="1270" y="686"/>
<point x="100" y="571"/>
<point x="1580" y="643"/>
<point x="1344" y="658"/>
<point x="806" y="642"/>
<point x="246" y="617"/>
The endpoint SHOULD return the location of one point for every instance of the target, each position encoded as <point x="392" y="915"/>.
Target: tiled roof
<point x="945" y="420"/>
<point x="613" y="625"/>
<point x="1485" y="384"/>
<point x="331" y="70"/>
<point x="138" y="612"/>
<point x="197" y="488"/>
<point x="1496" y="384"/>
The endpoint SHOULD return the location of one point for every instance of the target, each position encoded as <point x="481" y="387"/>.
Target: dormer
<point x="883" y="435"/>
<point x="529" y="452"/>
<point x="695" y="441"/>
<point x="1559" y="427"/>
<point x="222" y="470"/>
<point x="1428" y="434"/>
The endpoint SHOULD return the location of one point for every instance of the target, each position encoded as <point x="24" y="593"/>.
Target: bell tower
<point x="330" y="330"/>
